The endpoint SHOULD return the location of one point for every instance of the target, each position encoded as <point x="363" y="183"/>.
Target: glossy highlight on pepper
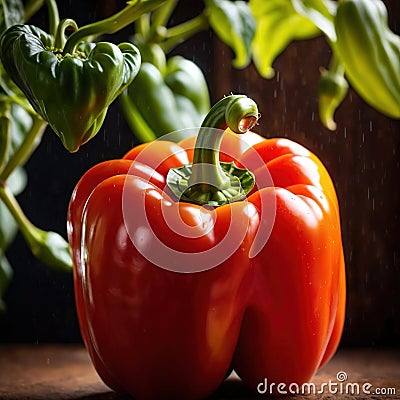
<point x="157" y="333"/>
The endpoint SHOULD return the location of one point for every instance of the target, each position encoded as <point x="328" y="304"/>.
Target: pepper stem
<point x="161" y="17"/>
<point x="25" y="149"/>
<point x="48" y="247"/>
<point x="31" y="8"/>
<point x="60" y="39"/>
<point x="207" y="181"/>
<point x="116" y="22"/>
<point x="54" y="18"/>
<point x="179" y="33"/>
<point x="5" y="132"/>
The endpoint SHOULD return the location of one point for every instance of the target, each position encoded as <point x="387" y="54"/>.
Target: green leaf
<point x="370" y="53"/>
<point x="320" y="12"/>
<point x="48" y="247"/>
<point x="8" y="230"/>
<point x="278" y="24"/>
<point x="11" y="13"/>
<point x="13" y="140"/>
<point x="17" y="181"/>
<point x="5" y="131"/>
<point x="21" y="124"/>
<point x="234" y="24"/>
<point x="8" y="227"/>
<point x="51" y="249"/>
<point x="332" y="89"/>
<point x="8" y="85"/>
<point x="6" y="273"/>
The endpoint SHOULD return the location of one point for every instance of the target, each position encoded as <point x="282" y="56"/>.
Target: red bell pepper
<point x="270" y="301"/>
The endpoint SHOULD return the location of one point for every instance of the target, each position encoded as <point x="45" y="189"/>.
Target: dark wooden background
<point x="362" y="155"/>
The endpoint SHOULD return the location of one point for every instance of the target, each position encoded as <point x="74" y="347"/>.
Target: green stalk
<point x="48" y="247"/>
<point x="335" y="66"/>
<point x="137" y="124"/>
<point x="161" y="17"/>
<point x="142" y="25"/>
<point x="60" y="39"/>
<point x="26" y="148"/>
<point x="21" y="101"/>
<point x="31" y="8"/>
<point x="5" y="133"/>
<point x="54" y="18"/>
<point x="239" y="113"/>
<point x="28" y="230"/>
<point x="207" y="181"/>
<point x="112" y="24"/>
<point x="179" y="33"/>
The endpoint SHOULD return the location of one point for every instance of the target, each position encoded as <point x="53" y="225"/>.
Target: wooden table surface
<point x="61" y="372"/>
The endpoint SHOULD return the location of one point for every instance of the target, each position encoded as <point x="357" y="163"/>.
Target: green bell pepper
<point x="71" y="91"/>
<point x="166" y="96"/>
